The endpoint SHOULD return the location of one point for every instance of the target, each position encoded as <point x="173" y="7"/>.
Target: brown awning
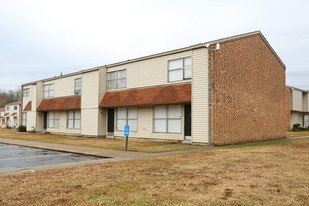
<point x="148" y="96"/>
<point x="6" y="114"/>
<point x="64" y="103"/>
<point x="27" y="107"/>
<point x="14" y="114"/>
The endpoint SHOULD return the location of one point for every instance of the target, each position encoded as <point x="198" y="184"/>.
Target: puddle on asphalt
<point x="12" y="156"/>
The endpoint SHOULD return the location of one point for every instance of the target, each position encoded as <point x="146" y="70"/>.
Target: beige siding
<point x="145" y="126"/>
<point x="64" y="86"/>
<point x="200" y="108"/>
<point x="297" y="100"/>
<point x="102" y="112"/>
<point x="149" y="72"/>
<point x="89" y="121"/>
<point x="296" y="118"/>
<point x="90" y="103"/>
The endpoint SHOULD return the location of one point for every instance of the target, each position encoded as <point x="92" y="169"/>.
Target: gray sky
<point x="41" y="38"/>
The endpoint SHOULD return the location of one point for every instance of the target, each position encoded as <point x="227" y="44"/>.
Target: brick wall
<point x="248" y="94"/>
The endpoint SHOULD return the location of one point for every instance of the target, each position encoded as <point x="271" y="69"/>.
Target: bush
<point x="21" y="128"/>
<point x="296" y="127"/>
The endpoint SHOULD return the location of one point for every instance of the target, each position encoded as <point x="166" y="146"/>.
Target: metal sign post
<point x="126" y="134"/>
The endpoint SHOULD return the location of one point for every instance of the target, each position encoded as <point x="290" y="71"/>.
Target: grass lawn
<point x="297" y="134"/>
<point x="275" y="174"/>
<point x="118" y="144"/>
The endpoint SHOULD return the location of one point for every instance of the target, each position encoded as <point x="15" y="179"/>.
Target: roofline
<point x="195" y="46"/>
<point x="302" y="90"/>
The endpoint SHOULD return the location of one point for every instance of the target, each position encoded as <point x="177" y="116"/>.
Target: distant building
<point x="12" y="114"/>
<point x="225" y="91"/>
<point x="299" y="107"/>
<point x="2" y="120"/>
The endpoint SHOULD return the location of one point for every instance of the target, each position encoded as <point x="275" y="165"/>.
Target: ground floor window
<point x="74" y="119"/>
<point x="53" y="119"/>
<point x="167" y="119"/>
<point x="127" y="116"/>
<point x="24" y="119"/>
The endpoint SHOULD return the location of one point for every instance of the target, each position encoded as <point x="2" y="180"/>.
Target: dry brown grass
<point x="276" y="174"/>
<point x="118" y="144"/>
<point x="297" y="134"/>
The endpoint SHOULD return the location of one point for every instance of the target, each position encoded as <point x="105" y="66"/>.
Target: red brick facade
<point x="248" y="95"/>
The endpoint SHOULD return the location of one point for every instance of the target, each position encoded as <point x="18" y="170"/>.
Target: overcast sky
<point x="42" y="38"/>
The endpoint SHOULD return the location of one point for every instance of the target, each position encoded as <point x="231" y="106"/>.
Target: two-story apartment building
<point x="224" y="91"/>
<point x="299" y="107"/>
<point x="12" y="114"/>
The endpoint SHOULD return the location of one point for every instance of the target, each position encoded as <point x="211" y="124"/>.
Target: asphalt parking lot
<point x="13" y="156"/>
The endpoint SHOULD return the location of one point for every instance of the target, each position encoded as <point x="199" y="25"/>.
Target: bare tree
<point x="9" y="96"/>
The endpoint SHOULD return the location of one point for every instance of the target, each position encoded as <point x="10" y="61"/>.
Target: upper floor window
<point x="8" y="108"/>
<point x="26" y="92"/>
<point x="15" y="107"/>
<point x="179" y="69"/>
<point x="77" y="85"/>
<point x="74" y="119"/>
<point x="117" y="79"/>
<point x="48" y="90"/>
<point x="127" y="116"/>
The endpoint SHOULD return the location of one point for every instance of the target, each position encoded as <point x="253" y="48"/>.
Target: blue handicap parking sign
<point x="126" y="130"/>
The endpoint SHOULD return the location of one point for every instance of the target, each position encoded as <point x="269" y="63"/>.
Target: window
<point x="127" y="116"/>
<point x="15" y="107"/>
<point x="53" y="119"/>
<point x="167" y="119"/>
<point x="179" y="69"/>
<point x="26" y="92"/>
<point x="24" y="119"/>
<point x="77" y="85"/>
<point x="48" y="90"/>
<point x="117" y="79"/>
<point x="74" y="119"/>
<point x="8" y="108"/>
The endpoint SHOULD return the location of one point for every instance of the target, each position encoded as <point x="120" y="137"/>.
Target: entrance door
<point x="45" y="120"/>
<point x="188" y="122"/>
<point x="110" y="120"/>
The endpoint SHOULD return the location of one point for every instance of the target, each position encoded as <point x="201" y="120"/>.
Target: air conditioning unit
<point x="77" y="91"/>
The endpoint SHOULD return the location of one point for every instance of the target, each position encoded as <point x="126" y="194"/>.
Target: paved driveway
<point x="13" y="156"/>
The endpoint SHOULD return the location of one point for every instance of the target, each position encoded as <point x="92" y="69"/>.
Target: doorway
<point x="110" y="121"/>
<point x="188" y="122"/>
<point x="45" y="121"/>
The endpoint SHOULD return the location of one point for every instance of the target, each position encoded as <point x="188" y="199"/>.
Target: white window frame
<point x="73" y="119"/>
<point x="54" y="120"/>
<point x="126" y="118"/>
<point x="116" y="79"/>
<point x="24" y="119"/>
<point x="182" y="68"/>
<point x="47" y="91"/>
<point x="8" y="108"/>
<point x="26" y="92"/>
<point x="76" y="89"/>
<point x="166" y="119"/>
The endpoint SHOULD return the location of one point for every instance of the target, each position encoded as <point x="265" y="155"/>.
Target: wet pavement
<point x="13" y="156"/>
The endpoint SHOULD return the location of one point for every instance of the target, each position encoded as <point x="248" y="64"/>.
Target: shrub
<point x="21" y="128"/>
<point x="296" y="127"/>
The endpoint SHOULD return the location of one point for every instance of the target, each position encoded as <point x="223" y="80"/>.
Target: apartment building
<point x="12" y="114"/>
<point x="224" y="91"/>
<point x="2" y="110"/>
<point x="299" y="106"/>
